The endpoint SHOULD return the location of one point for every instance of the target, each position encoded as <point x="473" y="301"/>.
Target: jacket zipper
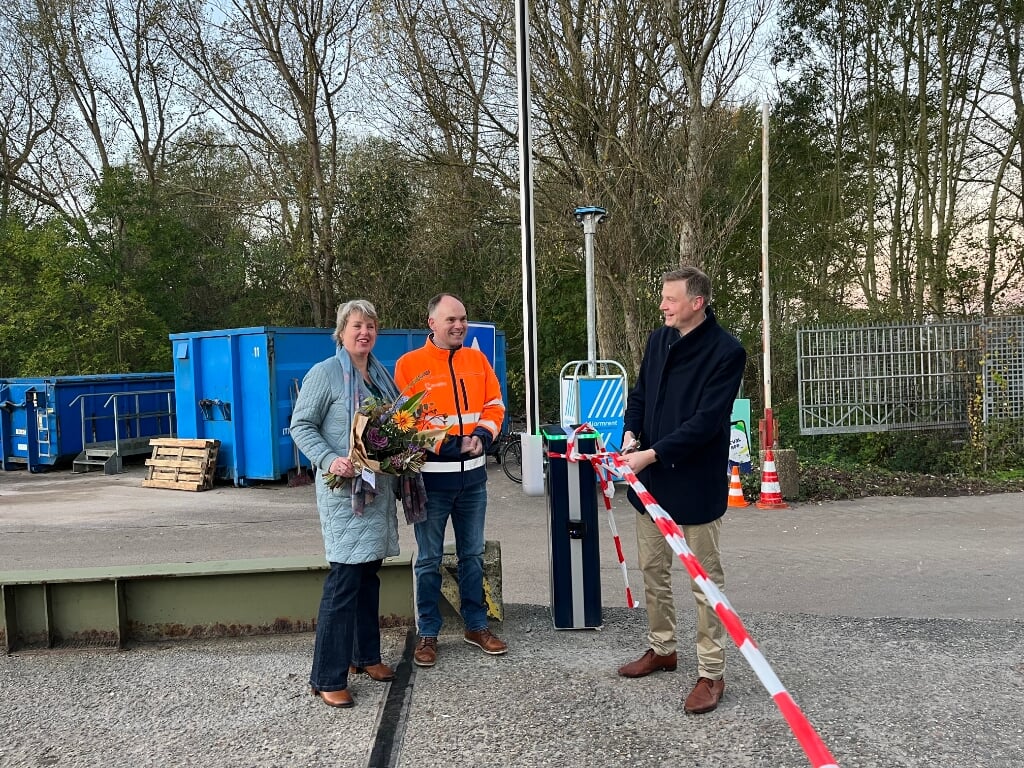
<point x="455" y="384"/>
<point x="458" y="410"/>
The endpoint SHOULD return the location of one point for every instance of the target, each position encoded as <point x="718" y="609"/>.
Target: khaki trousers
<point x="656" y="558"/>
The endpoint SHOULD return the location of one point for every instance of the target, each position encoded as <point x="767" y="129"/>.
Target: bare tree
<point x="611" y="121"/>
<point x="922" y="120"/>
<point x="1004" y="242"/>
<point x="716" y="42"/>
<point x="110" y="94"/>
<point x="443" y="89"/>
<point x="95" y="111"/>
<point x="276" y="71"/>
<point x="609" y="113"/>
<point x="444" y="85"/>
<point x="30" y="109"/>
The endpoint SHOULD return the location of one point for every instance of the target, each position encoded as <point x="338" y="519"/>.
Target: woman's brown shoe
<point x="341" y="699"/>
<point x="379" y="672"/>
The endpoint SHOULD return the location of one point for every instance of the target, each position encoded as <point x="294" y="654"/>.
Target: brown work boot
<point x="705" y="696"/>
<point x="649" y="662"/>
<point x="485" y="640"/>
<point x="426" y="652"/>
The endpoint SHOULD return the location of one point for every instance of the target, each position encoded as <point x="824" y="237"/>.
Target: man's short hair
<point x="360" y="306"/>
<point x="697" y="283"/>
<point x="432" y="304"/>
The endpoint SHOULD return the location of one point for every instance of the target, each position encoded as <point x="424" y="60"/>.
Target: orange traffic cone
<point x="771" y="494"/>
<point x="736" y="489"/>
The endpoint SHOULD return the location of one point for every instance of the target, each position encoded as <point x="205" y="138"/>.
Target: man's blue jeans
<point x="467" y="508"/>
<point x="348" y="624"/>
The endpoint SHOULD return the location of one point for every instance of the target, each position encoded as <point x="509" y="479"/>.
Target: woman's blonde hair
<point x="359" y="306"/>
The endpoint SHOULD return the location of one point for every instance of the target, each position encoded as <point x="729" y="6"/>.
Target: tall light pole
<point x="533" y="463"/>
<point x="590" y="216"/>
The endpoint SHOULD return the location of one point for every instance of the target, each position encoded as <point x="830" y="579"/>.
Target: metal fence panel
<point x="1003" y="368"/>
<point x="882" y="377"/>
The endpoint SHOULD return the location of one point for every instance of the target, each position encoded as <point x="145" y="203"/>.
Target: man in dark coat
<point x="676" y="440"/>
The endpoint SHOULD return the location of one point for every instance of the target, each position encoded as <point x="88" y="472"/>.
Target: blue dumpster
<point x="239" y="386"/>
<point x="46" y="420"/>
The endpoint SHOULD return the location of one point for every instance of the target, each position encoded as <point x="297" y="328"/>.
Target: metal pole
<point x="768" y="436"/>
<point x="117" y="427"/>
<point x="589" y="229"/>
<point x="532" y="367"/>
<point x="533" y="462"/>
<point x="590" y="217"/>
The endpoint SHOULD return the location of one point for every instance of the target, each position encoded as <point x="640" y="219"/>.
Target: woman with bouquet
<point x="358" y="517"/>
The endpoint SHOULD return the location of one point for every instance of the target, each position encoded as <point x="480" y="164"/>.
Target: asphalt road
<point x="958" y="557"/>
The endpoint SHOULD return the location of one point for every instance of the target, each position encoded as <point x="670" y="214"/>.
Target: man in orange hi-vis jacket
<point x="460" y="384"/>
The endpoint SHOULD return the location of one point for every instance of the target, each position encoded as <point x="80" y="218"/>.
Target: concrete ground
<point x="896" y="624"/>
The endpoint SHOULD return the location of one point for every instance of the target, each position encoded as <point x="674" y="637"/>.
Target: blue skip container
<point x="51" y="419"/>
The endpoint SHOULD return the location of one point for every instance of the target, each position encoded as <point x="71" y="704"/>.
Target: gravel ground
<point x="880" y="692"/>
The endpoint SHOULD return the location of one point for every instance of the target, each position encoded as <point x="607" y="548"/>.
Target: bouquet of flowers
<point x="387" y="436"/>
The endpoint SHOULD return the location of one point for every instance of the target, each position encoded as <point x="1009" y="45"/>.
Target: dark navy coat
<point x="681" y="407"/>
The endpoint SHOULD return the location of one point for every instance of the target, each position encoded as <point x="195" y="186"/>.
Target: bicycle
<point x="507" y="449"/>
<point x="511" y="457"/>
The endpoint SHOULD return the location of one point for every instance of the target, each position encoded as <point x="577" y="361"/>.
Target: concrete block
<point x="492" y="581"/>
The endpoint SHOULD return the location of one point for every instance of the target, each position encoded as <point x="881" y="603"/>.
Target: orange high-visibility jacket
<point x="462" y="387"/>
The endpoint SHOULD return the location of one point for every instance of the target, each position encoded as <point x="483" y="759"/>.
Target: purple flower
<point x="375" y="438"/>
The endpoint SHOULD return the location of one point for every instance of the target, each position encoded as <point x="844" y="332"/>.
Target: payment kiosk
<point x="573" y="552"/>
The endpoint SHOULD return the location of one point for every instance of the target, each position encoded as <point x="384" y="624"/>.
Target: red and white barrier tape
<point x="608" y="490"/>
<point x="605" y="464"/>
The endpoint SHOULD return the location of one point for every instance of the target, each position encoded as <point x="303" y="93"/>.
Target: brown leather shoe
<point x="705" y="696"/>
<point x="425" y="654"/>
<point x="486" y="641"/>
<point x="649" y="662"/>
<point x="341" y="699"/>
<point x="379" y="672"/>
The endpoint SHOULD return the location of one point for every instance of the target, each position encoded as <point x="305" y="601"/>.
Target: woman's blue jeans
<point x="348" y="624"/>
<point x="466" y="508"/>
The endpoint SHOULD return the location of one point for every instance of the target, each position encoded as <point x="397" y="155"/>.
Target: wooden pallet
<point x="184" y="465"/>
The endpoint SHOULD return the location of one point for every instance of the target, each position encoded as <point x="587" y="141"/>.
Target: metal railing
<point x="124" y="408"/>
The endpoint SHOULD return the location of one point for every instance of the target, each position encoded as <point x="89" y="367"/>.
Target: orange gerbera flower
<point x="404" y="420"/>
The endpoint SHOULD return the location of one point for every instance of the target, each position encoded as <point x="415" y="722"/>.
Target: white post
<point x="533" y="462"/>
<point x="768" y="436"/>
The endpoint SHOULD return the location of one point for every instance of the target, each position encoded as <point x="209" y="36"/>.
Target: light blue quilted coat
<point x="320" y="427"/>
